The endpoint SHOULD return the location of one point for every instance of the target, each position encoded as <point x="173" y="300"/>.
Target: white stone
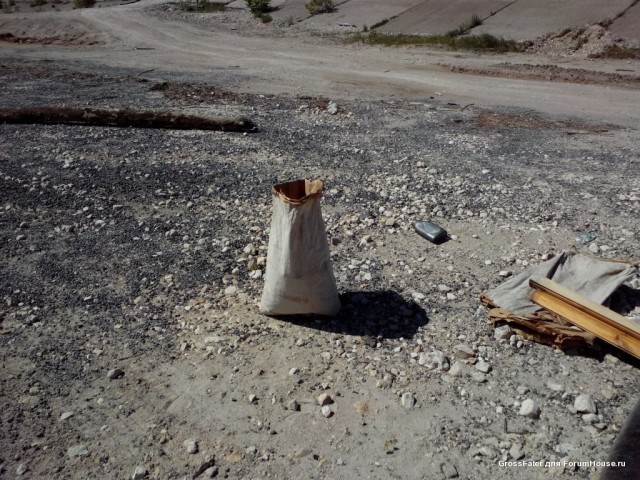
<point x="434" y="360"/>
<point x="585" y="404"/>
<point x="529" y="409"/>
<point x="139" y="473"/>
<point x="463" y="351"/>
<point x="449" y="470"/>
<point x="115" y="373"/>
<point x="483" y="366"/>
<point x="78" y="451"/>
<point x="457" y="369"/>
<point x="555" y="386"/>
<point x="590" y="418"/>
<point x="407" y="400"/>
<point x="65" y="415"/>
<point x="326" y="411"/>
<point x="503" y="332"/>
<point x="515" y="452"/>
<point x="191" y="446"/>
<point x="324" y="399"/>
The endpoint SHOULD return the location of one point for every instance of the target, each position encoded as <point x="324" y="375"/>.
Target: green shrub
<point x="379" y="24"/>
<point x="316" y="7"/>
<point x="463" y="28"/>
<point x="264" y="17"/>
<point x="468" y="42"/>
<point x="202" y="6"/>
<point x="258" y="7"/>
<point x="84" y="3"/>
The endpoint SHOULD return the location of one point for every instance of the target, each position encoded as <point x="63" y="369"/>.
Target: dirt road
<point x="313" y="65"/>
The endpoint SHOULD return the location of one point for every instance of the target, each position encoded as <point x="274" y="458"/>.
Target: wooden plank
<point x="592" y="317"/>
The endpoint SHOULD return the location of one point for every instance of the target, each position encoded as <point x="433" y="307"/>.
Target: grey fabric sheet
<point x="590" y="277"/>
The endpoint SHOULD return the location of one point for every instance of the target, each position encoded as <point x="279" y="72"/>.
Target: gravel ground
<point x="131" y="345"/>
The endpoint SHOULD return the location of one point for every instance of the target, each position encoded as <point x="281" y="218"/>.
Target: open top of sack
<point x="298" y="191"/>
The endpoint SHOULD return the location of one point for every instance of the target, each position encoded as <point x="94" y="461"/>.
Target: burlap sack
<point x="299" y="277"/>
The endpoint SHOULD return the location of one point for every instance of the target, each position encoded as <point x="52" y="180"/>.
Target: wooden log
<point x="590" y="316"/>
<point x="122" y="118"/>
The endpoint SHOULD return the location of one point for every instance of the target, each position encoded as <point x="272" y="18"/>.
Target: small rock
<point x="516" y="452"/>
<point x="505" y="273"/>
<point x="444" y="288"/>
<point x="78" y="451"/>
<point x="463" y="351"/>
<point x="294" y="371"/>
<point x="502" y="333"/>
<point x="293" y="405"/>
<point x="590" y="418"/>
<point x="487" y="452"/>
<point x="434" y="360"/>
<point x="593" y="247"/>
<point x="555" y="386"/>
<point x="139" y="473"/>
<point x="324" y="399"/>
<point x="585" y="404"/>
<point x="529" y="409"/>
<point x="332" y="108"/>
<point x="253" y="398"/>
<point x="451" y="296"/>
<point x="115" y="373"/>
<point x="21" y="470"/>
<point x="449" y="470"/>
<point x="565" y="448"/>
<point x="457" y="369"/>
<point x="366" y="239"/>
<point x="231" y="290"/>
<point x="326" y="411"/>
<point x="191" y="446"/>
<point x="252" y="450"/>
<point x="211" y="472"/>
<point x="483" y="366"/>
<point x="65" y="415"/>
<point x="408" y="400"/>
<point x="522" y="389"/>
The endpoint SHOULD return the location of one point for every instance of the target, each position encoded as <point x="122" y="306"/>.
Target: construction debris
<point x="602" y="322"/>
<point x="590" y="277"/>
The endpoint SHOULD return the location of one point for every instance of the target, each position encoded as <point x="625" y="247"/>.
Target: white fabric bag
<point x="299" y="276"/>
